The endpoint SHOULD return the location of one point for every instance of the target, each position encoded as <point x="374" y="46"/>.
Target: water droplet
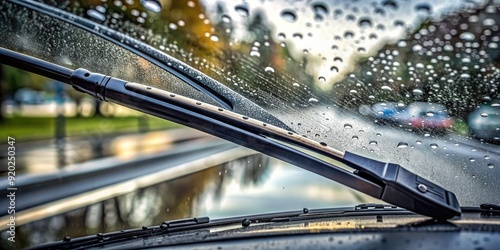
<point x="484" y="114"/>
<point x="434" y="145"/>
<point x="399" y="23"/>
<point x="242" y="10"/>
<point x="418" y="92"/>
<point x="172" y="26"/>
<point x="489" y="22"/>
<point x="347" y="125"/>
<point x="402" y="44"/>
<point x="490" y="165"/>
<point x="313" y="100"/>
<point x="269" y="69"/>
<point x="472" y="160"/>
<point x="464" y="76"/>
<point x="466" y="60"/>
<point x="418" y="142"/>
<point x="322" y="79"/>
<point x="487" y="157"/>
<point x="297" y="35"/>
<point x="386" y="88"/>
<point x="296" y="84"/>
<point x="151" y="5"/>
<point x="214" y="38"/>
<point x="373" y="142"/>
<point x="448" y="47"/>
<point x="255" y="53"/>
<point x="289" y="16"/>
<point x="96" y="15"/>
<point x="402" y="145"/>
<point x="423" y="8"/>
<point x="334" y="69"/>
<point x="226" y="19"/>
<point x="348" y="34"/>
<point x="355" y="137"/>
<point x="390" y="4"/>
<point x="365" y="23"/>
<point x="467" y="36"/>
<point x="101" y="9"/>
<point x="320" y="9"/>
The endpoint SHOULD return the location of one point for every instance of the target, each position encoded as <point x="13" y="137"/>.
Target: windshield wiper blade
<point x="199" y="224"/>
<point x="388" y="182"/>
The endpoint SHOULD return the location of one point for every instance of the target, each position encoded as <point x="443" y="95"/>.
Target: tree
<point x="1" y="93"/>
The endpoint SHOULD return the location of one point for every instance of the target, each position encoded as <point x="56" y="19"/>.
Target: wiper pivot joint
<point x="406" y="189"/>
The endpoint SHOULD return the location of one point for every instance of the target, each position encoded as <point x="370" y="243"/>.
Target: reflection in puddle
<point x="254" y="184"/>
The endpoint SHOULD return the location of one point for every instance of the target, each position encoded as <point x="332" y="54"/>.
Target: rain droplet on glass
<point x="313" y="100"/>
<point x="214" y="38"/>
<point x="289" y="15"/>
<point x="242" y="10"/>
<point x="151" y="5"/>
<point x="269" y="69"/>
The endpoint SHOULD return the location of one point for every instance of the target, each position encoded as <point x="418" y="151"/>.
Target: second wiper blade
<point x="389" y="182"/>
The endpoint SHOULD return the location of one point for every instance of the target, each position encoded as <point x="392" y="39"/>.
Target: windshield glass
<point x="59" y="42"/>
<point x="410" y="82"/>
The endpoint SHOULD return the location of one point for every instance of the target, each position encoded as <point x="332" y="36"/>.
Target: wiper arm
<point x="388" y="182"/>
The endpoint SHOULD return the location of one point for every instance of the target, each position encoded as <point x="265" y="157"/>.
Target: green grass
<point x="460" y="127"/>
<point x="35" y="128"/>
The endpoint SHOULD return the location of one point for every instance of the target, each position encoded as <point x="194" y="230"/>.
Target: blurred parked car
<point x="427" y="116"/>
<point x="420" y="116"/>
<point x="484" y="122"/>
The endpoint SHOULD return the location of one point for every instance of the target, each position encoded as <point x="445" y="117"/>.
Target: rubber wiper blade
<point x="386" y="181"/>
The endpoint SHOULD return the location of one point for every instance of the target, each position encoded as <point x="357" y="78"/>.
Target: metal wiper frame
<point x="388" y="182"/>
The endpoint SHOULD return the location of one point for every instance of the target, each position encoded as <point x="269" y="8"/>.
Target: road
<point x="49" y="155"/>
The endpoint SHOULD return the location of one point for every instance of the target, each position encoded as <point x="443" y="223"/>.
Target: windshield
<point x="410" y="82"/>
